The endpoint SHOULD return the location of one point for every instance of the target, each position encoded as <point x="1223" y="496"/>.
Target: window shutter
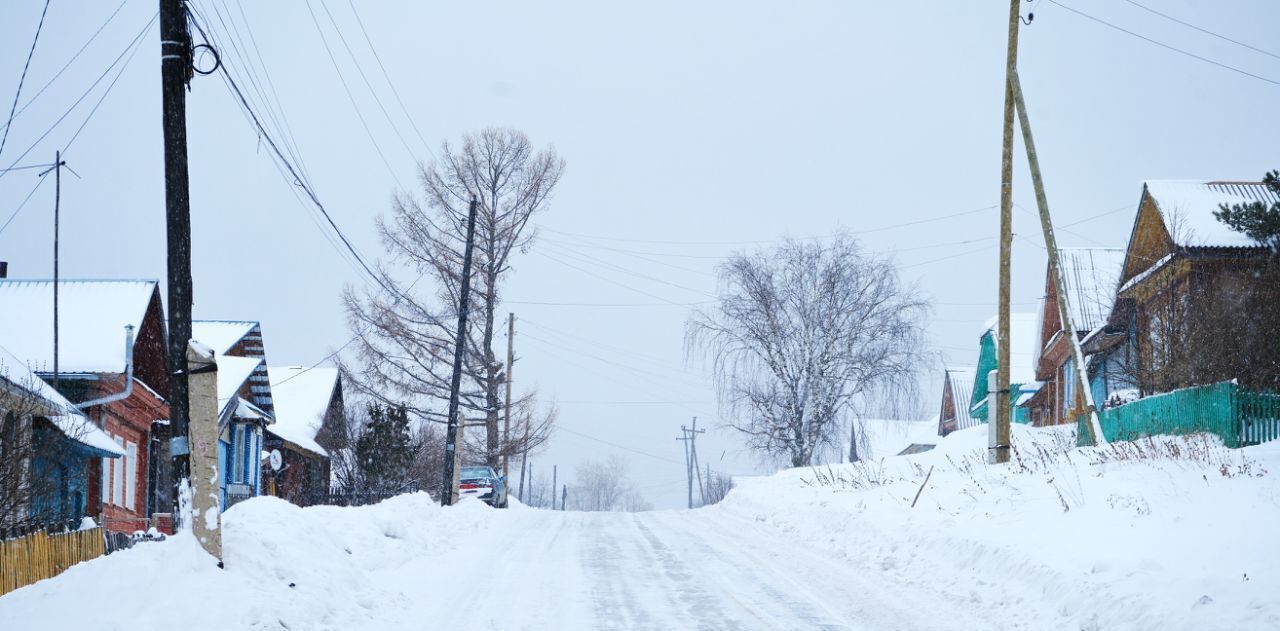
<point x="117" y="476"/>
<point x="131" y="476"/>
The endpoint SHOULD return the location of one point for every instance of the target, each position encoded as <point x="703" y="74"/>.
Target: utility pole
<point x="455" y="384"/>
<point x="1055" y="270"/>
<point x="564" y="496"/>
<point x="524" y="459"/>
<point x="998" y="442"/>
<point x="690" y="437"/>
<point x="57" y="204"/>
<point x="554" y="484"/>
<point x="175" y="73"/>
<point x="506" y="424"/>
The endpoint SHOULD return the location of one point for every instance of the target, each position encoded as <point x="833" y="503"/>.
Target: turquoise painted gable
<point x="987" y="362"/>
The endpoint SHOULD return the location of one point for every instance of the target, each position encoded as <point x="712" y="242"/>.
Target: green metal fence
<point x="1240" y="417"/>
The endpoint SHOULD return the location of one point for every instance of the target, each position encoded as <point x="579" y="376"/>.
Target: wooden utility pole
<point x="455" y="384"/>
<point x="999" y="417"/>
<point x="506" y="410"/>
<point x="554" y="484"/>
<point x="690" y="437"/>
<point x="1055" y="269"/>
<point x="175" y="74"/>
<point x="57" y="210"/>
<point x="524" y="459"/>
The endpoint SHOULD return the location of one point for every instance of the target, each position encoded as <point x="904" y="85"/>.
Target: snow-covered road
<point x="665" y="570"/>
<point x="1073" y="539"/>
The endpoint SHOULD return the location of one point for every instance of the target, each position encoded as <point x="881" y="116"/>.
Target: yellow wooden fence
<point x="38" y="556"/>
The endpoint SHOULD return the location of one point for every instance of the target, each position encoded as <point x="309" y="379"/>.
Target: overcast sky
<point x="691" y="130"/>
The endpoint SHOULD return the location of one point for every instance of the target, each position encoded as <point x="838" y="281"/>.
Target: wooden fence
<point x="37" y="556"/>
<point x="1240" y="417"/>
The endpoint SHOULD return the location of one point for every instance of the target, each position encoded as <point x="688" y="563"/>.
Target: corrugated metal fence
<point x="37" y="556"/>
<point x="1240" y="417"/>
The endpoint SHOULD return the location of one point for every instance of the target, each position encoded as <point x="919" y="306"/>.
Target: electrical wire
<point x="128" y="49"/>
<point x="26" y="199"/>
<point x="73" y="57"/>
<point x="1166" y="46"/>
<point x="386" y="76"/>
<point x="23" y="79"/>
<point x="356" y="62"/>
<point x="771" y="241"/>
<point x="293" y="172"/>
<point x="1202" y="30"/>
<point x="351" y="97"/>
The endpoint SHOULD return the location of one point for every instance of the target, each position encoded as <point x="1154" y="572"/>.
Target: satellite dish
<point x="277" y="460"/>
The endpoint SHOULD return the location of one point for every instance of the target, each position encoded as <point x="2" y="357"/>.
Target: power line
<point x="298" y="181"/>
<point x="768" y="241"/>
<point x="137" y="38"/>
<point x="606" y="279"/>
<point x="351" y="97"/>
<point x="386" y="76"/>
<point x="367" y="84"/>
<point x="274" y="111"/>
<point x="102" y="98"/>
<point x="73" y="57"/>
<point x="1203" y="30"/>
<point x="23" y="79"/>
<point x="1164" y="45"/>
<point x="26" y="199"/>
<point x="605" y="304"/>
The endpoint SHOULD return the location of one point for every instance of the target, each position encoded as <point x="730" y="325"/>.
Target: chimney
<point x="4" y="269"/>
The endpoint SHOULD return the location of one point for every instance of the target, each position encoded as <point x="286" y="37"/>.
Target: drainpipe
<point x="128" y="375"/>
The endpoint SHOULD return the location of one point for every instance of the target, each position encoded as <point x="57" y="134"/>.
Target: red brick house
<point x="111" y="364"/>
<point x="1090" y="276"/>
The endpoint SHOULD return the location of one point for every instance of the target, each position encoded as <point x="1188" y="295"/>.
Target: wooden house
<point x="957" y="395"/>
<point x="1022" y="376"/>
<point x="46" y="448"/>
<point x="1197" y="302"/>
<point x="1089" y="276"/>
<point x="244" y="402"/>
<point x="111" y="363"/>
<point x="309" y="409"/>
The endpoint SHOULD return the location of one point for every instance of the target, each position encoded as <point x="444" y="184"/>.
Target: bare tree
<point x="603" y="485"/>
<point x="718" y="486"/>
<point x="405" y="336"/>
<point x="802" y="333"/>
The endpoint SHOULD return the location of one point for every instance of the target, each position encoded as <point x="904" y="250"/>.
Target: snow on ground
<point x="1168" y="533"/>
<point x="1163" y="534"/>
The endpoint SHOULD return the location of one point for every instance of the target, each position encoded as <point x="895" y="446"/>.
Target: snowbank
<point x="1167" y="533"/>
<point x="286" y="568"/>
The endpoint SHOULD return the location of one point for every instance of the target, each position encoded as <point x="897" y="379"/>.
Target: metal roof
<point x="1187" y="208"/>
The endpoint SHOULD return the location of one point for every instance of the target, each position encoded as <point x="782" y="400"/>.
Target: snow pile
<point x="286" y="568"/>
<point x="1166" y="533"/>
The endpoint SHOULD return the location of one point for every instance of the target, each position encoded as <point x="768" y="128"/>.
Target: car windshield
<point x="477" y="472"/>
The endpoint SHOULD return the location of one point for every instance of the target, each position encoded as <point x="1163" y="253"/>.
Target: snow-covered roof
<point x="1091" y="276"/>
<point x="221" y="335"/>
<point x="1024" y="329"/>
<point x="961" y="381"/>
<point x="64" y="415"/>
<point x="301" y="397"/>
<point x="232" y="373"/>
<point x="92" y="315"/>
<point x="1187" y="208"/>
